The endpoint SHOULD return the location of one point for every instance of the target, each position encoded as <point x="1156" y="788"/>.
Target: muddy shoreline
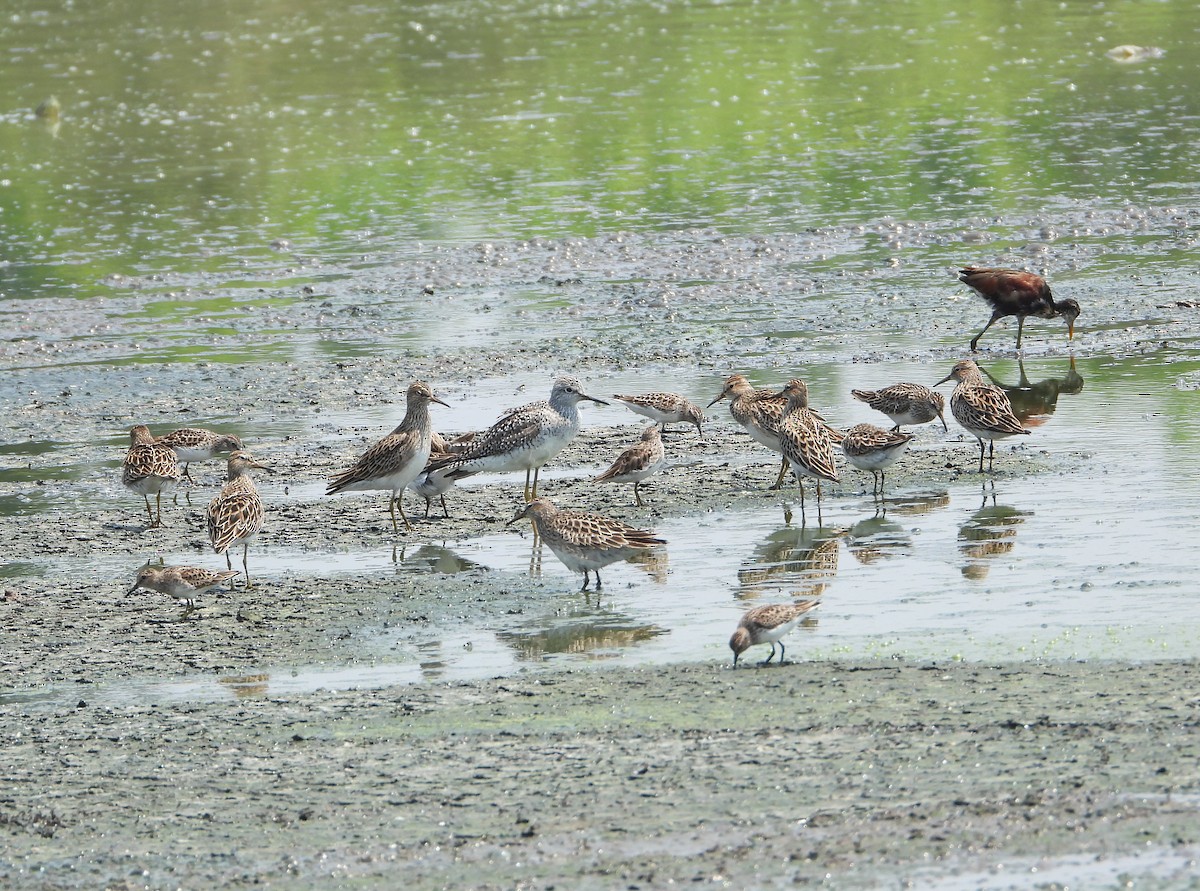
<point x="824" y="774"/>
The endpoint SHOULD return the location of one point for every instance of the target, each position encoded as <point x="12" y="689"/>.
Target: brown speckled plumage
<point x="665" y="408"/>
<point x="767" y="624"/>
<point x="638" y="462"/>
<point x="149" y="468"/>
<point x="585" y="542"/>
<point x="236" y="515"/>
<point x="981" y="408"/>
<point x="905" y="403"/>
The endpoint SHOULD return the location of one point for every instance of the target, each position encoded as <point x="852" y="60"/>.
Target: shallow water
<point x="492" y="195"/>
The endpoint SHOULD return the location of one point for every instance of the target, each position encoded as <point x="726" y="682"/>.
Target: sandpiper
<point x="905" y="403"/>
<point x="1012" y="292"/>
<point x="235" y="516"/>
<point x="641" y="460"/>
<point x="524" y="438"/>
<point x="184" y="583"/>
<point x="981" y="408"/>
<point x="197" y="444"/>
<point x="872" y="448"/>
<point x="396" y="460"/>
<point x="767" y="624"/>
<point x="757" y="411"/>
<point x="665" y="408"/>
<point x="585" y="542"/>
<point x="149" y="468"/>
<point x="805" y="441"/>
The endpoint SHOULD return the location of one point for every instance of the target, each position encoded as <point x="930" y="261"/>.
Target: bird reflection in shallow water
<point x="1033" y="403"/>
<point x="654" y="563"/>
<point x="434" y="558"/>
<point x="801" y="559"/>
<point x="918" y="504"/>
<point x="989" y="533"/>
<point x="875" y="538"/>
<point x="600" y="636"/>
<point x="247" y="686"/>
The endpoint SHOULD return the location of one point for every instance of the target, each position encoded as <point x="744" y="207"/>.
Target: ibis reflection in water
<point x="1033" y="402"/>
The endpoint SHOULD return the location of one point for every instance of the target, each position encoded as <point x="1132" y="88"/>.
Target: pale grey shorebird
<point x="525" y="438"/>
<point x="396" y="460"/>
<point x="905" y="404"/>
<point x="872" y="448"/>
<point x="236" y="515"/>
<point x="149" y="468"/>
<point x="184" y="583"/>
<point x="981" y="408"/>
<point x="641" y="460"/>
<point x="197" y="444"/>
<point x="805" y="441"/>
<point x="664" y="408"/>
<point x="768" y="624"/>
<point x="585" y="542"/>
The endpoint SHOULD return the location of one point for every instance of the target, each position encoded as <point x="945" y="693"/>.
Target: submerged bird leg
<point x="585" y="581"/>
<point x="599" y="584"/>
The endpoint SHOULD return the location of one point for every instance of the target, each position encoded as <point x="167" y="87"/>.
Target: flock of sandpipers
<point x="526" y="438"/>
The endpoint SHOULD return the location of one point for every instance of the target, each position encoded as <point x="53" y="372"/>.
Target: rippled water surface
<point x="666" y="192"/>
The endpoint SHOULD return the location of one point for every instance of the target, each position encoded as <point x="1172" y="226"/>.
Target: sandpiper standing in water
<point x="396" y="460"/>
<point x="981" y="408"/>
<point x="806" y="443"/>
<point x="585" y="542"/>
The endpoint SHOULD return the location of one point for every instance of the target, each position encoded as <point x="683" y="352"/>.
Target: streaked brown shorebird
<point x="197" y="444"/>
<point x="805" y="441"/>
<point x="665" y="408"/>
<point x="641" y="460"/>
<point x="905" y="403"/>
<point x="981" y="408"/>
<point x="585" y="542"/>
<point x="236" y="515"/>
<point x="768" y="624"/>
<point x="184" y="583"/>
<point x="149" y="468"/>
<point x="872" y="448"/>
<point x="396" y="460"/>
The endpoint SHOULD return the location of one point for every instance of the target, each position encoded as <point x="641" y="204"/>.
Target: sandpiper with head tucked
<point x="236" y="515"/>
<point x="905" y="403"/>
<point x="184" y="583"/>
<point x="396" y="460"/>
<point x="149" y="468"/>
<point x="197" y="444"/>
<point x="981" y="408"/>
<point x="665" y="408"/>
<point x="872" y="448"/>
<point x="767" y="624"/>
<point x="525" y="438"/>
<point x="641" y="460"/>
<point x="585" y="542"/>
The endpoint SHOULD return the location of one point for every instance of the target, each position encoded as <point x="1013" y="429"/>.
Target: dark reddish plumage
<point x="1015" y="293"/>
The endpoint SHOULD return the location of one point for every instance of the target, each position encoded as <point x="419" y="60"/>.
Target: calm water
<point x="205" y="166"/>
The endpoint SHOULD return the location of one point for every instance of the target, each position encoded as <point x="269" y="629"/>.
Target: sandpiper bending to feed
<point x="664" y="408"/>
<point x="585" y="542"/>
<point x="197" y="444"/>
<point x="872" y="448"/>
<point x="981" y="408"/>
<point x="396" y="460"/>
<point x="1012" y="292"/>
<point x="905" y="404"/>
<point x="767" y="624"/>
<point x="525" y="438"/>
<point x="184" y="583"/>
